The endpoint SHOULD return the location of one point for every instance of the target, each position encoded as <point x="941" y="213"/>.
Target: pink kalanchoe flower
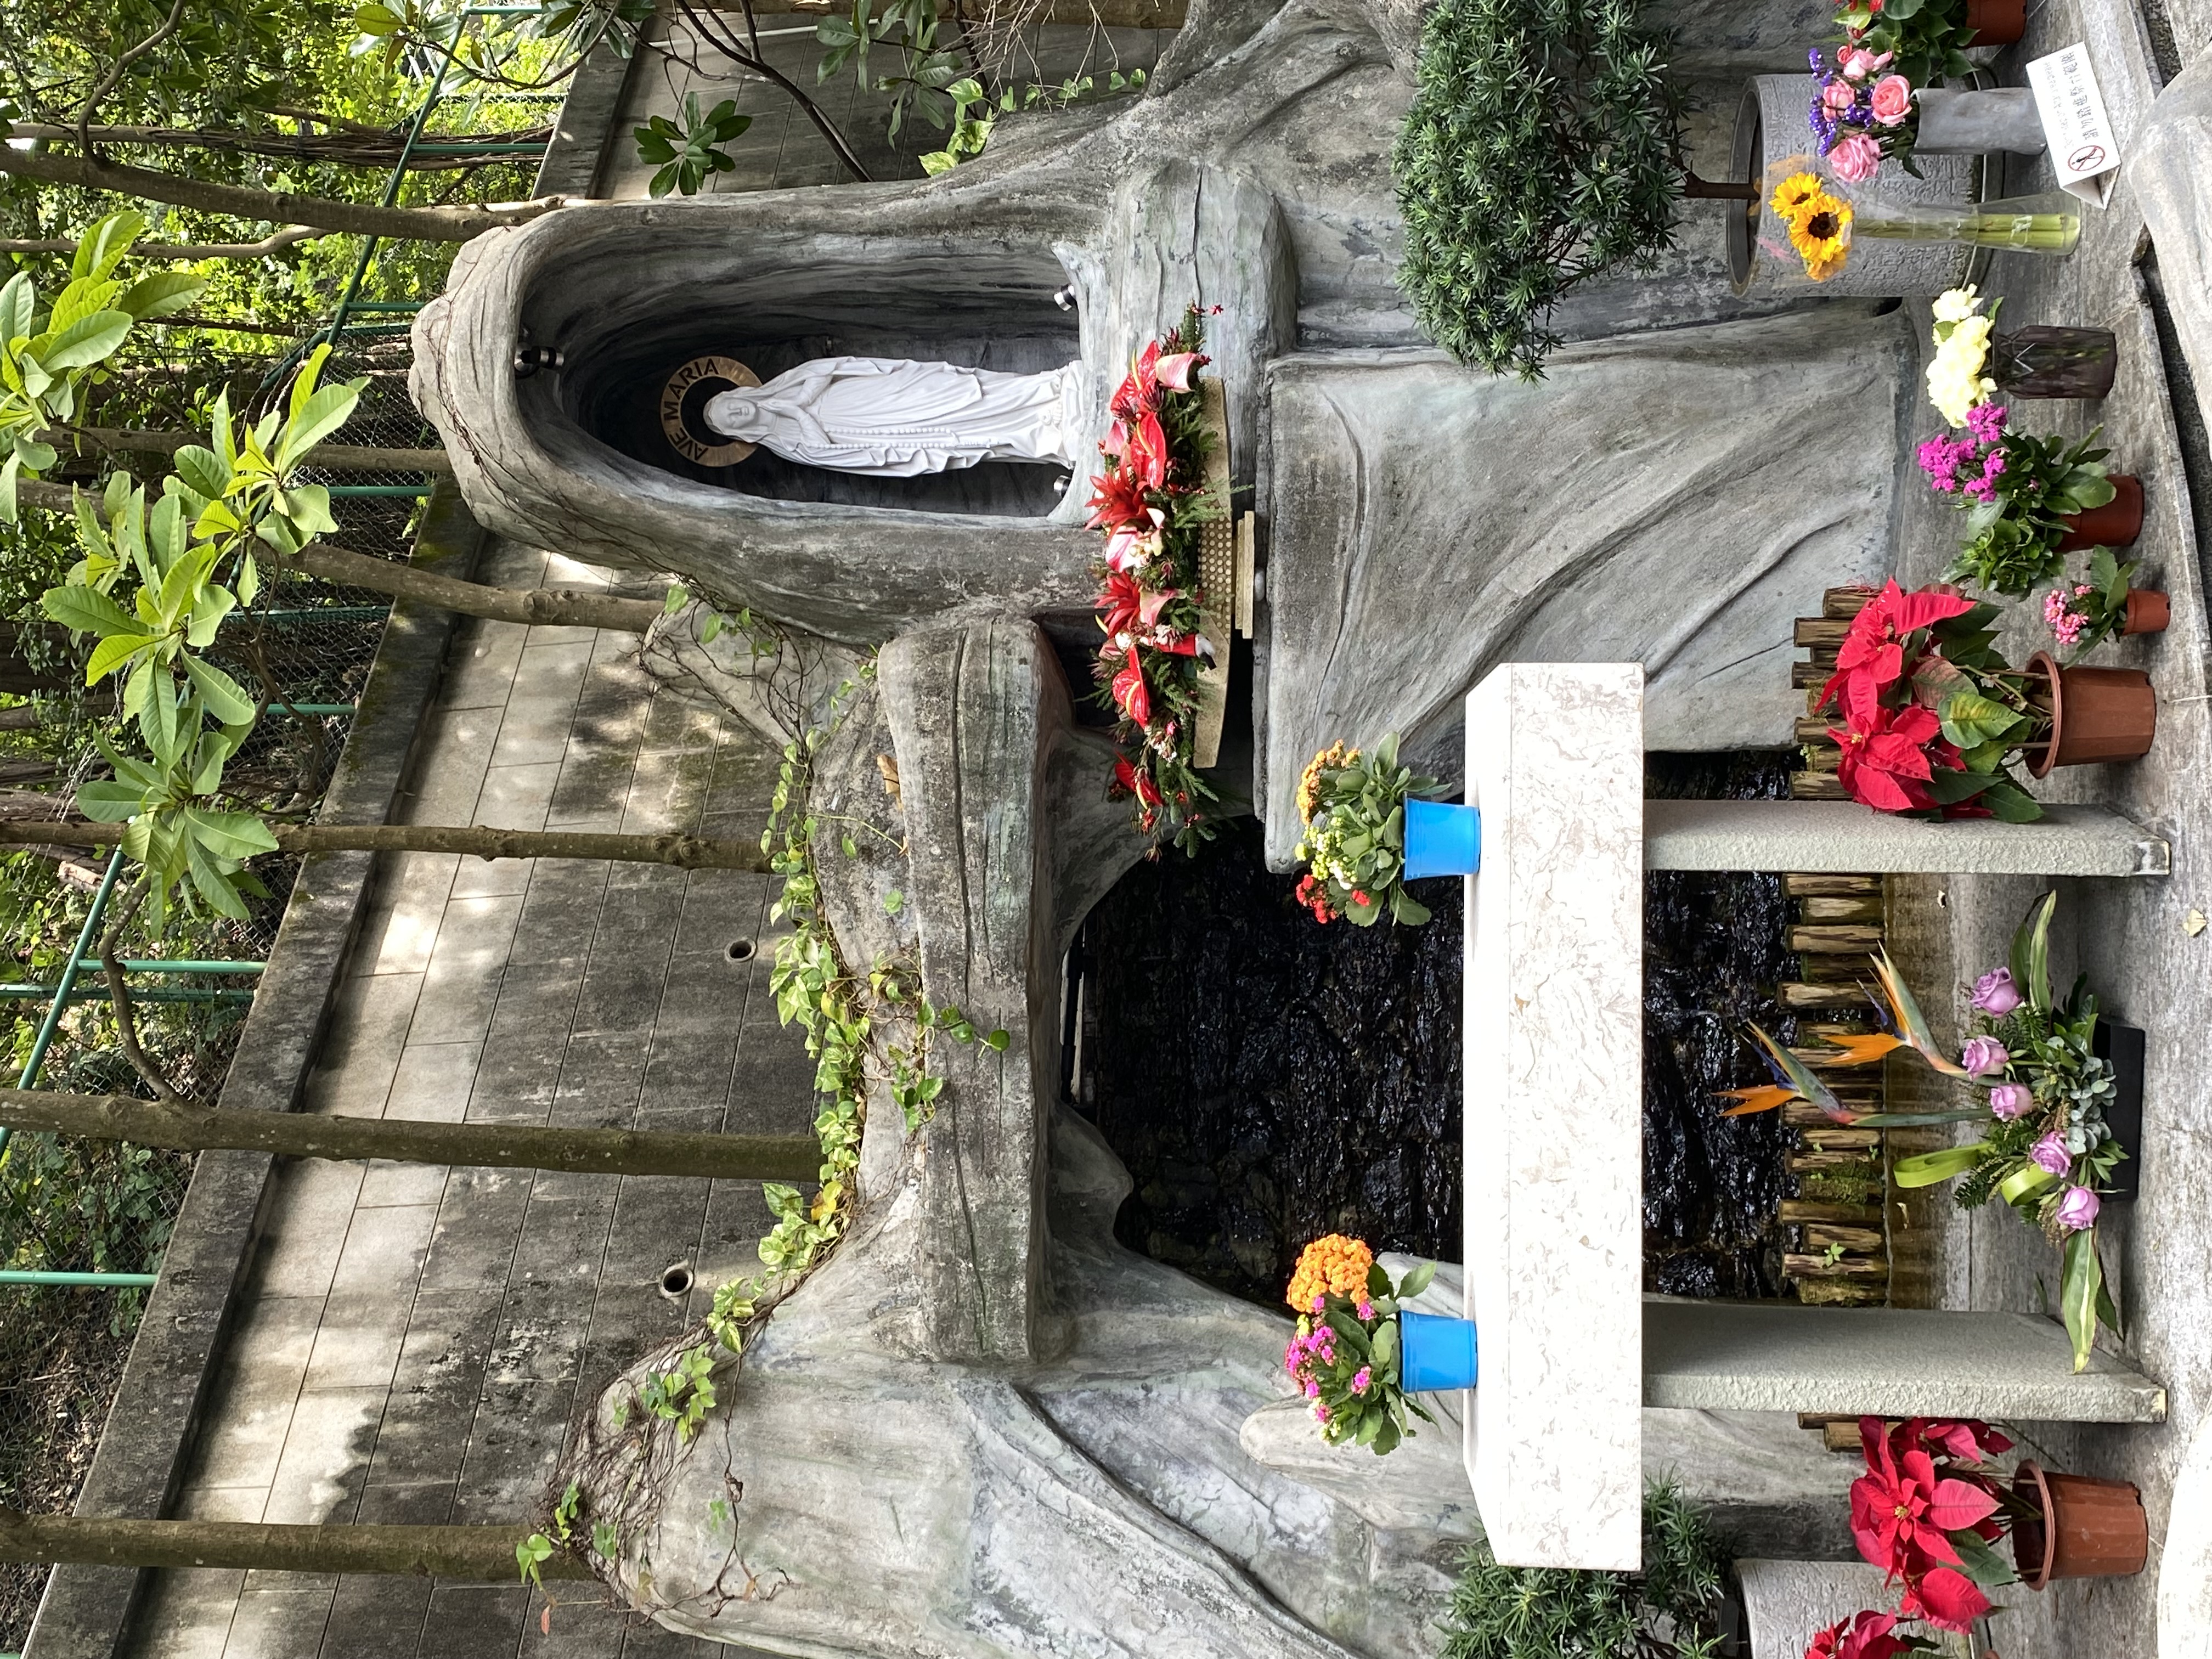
<point x="1995" y="993"/>
<point x="1321" y="1413"/>
<point x="2050" y="1154"/>
<point x="2077" y="1211"/>
<point x="1360" y="1379"/>
<point x="1366" y="1308"/>
<point x="1984" y="1055"/>
<point x="1320" y="1304"/>
<point x="2010" y="1100"/>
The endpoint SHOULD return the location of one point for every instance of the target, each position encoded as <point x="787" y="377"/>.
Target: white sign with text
<point x="2082" y="148"/>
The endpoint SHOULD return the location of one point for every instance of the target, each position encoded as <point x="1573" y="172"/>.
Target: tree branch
<point x="552" y="606"/>
<point x="183" y="1126"/>
<point x="454" y="224"/>
<point x="730" y="47"/>
<point x="106" y="84"/>
<point x="359" y="458"/>
<point x="469" y="1555"/>
<point x="275" y="243"/>
<point x="686" y="852"/>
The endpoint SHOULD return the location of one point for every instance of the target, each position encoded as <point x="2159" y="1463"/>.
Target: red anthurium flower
<point x="1139" y="393"/>
<point x="1148" y="454"/>
<point x="1129" y="780"/>
<point x="1135" y="697"/>
<point x="1887" y="763"/>
<point x="1117" y="500"/>
<point x="1174" y="370"/>
<point x="1945" y="1598"/>
<point x="1115" y="440"/>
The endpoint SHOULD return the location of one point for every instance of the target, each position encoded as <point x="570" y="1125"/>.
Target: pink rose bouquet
<point x="1861" y="116"/>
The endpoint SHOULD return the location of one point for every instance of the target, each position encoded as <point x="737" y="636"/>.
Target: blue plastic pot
<point x="1441" y="839"/>
<point x="1434" y="1354"/>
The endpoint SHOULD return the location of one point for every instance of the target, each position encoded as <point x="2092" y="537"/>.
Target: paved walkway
<point x="415" y="1341"/>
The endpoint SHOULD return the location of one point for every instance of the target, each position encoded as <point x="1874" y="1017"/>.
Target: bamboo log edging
<point x="1843" y="1255"/>
<point x="479" y="1146"/>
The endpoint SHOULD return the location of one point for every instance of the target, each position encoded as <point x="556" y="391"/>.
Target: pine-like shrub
<point x="1542" y="147"/>
<point x="1671" y="1610"/>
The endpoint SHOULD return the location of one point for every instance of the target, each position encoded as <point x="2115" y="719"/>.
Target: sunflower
<point x="1822" y="235"/>
<point x="1795" y="193"/>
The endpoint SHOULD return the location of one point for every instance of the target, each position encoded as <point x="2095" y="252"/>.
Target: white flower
<point x="1956" y="305"/>
<point x="1955" y="380"/>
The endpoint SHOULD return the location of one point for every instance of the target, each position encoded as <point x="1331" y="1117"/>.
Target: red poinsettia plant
<point x="1933" y="717"/>
<point x="1149" y="502"/>
<point x="1928" y="1511"/>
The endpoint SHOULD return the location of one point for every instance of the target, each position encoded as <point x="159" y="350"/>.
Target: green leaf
<point x="1983" y="1564"/>
<point x="112" y="653"/>
<point x="84" y="609"/>
<point x="226" y="699"/>
<point x="1926" y="1169"/>
<point x="996" y="1040"/>
<point x="1417" y="1279"/>
<point x="2081" y="1282"/>
<point x="85" y="342"/>
<point x="894" y="902"/>
<point x="161" y="294"/>
<point x="2030" y="955"/>
<point x="106" y="802"/>
<point x="101" y="248"/>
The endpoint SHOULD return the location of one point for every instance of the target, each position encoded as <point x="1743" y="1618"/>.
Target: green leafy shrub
<point x="1670" y="1610"/>
<point x="1543" y="147"/>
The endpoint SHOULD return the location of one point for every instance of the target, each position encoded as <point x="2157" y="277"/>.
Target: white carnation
<point x="1956" y="305"/>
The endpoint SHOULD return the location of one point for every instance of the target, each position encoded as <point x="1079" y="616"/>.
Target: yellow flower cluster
<point x="1819" y="224"/>
<point x="1334" y="758"/>
<point x="1955" y="381"/>
<point x="1332" y="1265"/>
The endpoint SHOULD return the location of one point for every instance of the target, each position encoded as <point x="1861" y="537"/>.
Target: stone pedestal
<point x="1818" y="836"/>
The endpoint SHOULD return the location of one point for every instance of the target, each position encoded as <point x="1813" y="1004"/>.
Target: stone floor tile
<point x="705" y="996"/>
<point x="512" y="1459"/>
<point x="687" y="1074"/>
<point x="462" y="980"/>
<point x="457" y="746"/>
<point x="437" y="1388"/>
<point x="279" y="1616"/>
<point x="668" y="790"/>
<point x="672" y="723"/>
<point x="474" y="1621"/>
<point x="559" y="911"/>
<point x="357" y="1341"/>
<point x="602" y="1078"/>
<point x="562" y="571"/>
<point x="738" y="1218"/>
<point x="621" y="992"/>
<point x="536" y="998"/>
<point x="373" y="1617"/>
<point x="509" y="563"/>
<point x="308" y="1215"/>
<point x="325" y="1461"/>
<point x="594" y="785"/>
<point x="517" y="1078"/>
<point x="384" y="1251"/>
<point x="472" y="1246"/>
<point x="434" y="1082"/>
<point x="409" y="904"/>
<point x="719" y="908"/>
<point x="369" y="1026"/>
<point x="220" y="1503"/>
<point x="480" y="664"/>
<point x="384" y="1182"/>
<point x="535" y="724"/>
<point x="185" y="1615"/>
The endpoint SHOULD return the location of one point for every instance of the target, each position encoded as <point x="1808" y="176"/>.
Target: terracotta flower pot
<point x="1997" y="22"/>
<point x="2116" y="524"/>
<point x="2081" y="1528"/>
<point x="2096" y="715"/>
<point x="2147" y="611"/>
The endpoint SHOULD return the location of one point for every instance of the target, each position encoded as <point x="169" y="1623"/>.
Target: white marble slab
<point x="1553" y="1059"/>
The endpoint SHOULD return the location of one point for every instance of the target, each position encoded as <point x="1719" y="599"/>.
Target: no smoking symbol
<point x="2087" y="158"/>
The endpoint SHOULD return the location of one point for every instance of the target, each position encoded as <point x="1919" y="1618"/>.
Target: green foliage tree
<point x="1543" y="147"/>
<point x="1670" y="1610"/>
<point x="687" y="152"/>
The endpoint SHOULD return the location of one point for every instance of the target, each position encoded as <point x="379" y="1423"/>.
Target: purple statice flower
<point x="2050" y="1154"/>
<point x="2008" y="1101"/>
<point x="2078" y="1209"/>
<point x="1995" y="993"/>
<point x="1984" y="1055"/>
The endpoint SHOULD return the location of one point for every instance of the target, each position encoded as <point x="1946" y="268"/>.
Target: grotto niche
<point x="983" y="1426"/>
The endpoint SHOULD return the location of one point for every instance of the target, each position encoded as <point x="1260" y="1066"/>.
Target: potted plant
<point x="1934" y="719"/>
<point x="1927" y="39"/>
<point x="1369" y="830"/>
<point x="1972" y="362"/>
<point x="1929" y="1510"/>
<point x="2083" y="615"/>
<point x="1151" y="504"/>
<point x="2045" y="1146"/>
<point x="1359" y="1354"/>
<point x="2023" y="497"/>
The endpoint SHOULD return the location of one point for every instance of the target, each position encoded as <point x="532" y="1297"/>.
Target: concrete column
<point x="1842" y="835"/>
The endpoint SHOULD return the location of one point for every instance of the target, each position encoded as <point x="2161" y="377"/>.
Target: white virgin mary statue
<point x="898" y="418"/>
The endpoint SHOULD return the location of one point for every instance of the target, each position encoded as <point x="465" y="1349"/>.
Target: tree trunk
<point x="453" y="224"/>
<point x="473" y="1555"/>
<point x="188" y="1128"/>
<point x="554" y="606"/>
<point x="687" y="852"/>
<point x="357" y="458"/>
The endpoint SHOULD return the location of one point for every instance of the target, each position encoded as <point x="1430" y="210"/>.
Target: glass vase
<point x="2041" y="361"/>
<point x="2026" y="224"/>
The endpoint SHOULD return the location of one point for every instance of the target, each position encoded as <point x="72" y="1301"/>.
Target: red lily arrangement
<point x="1149" y="502"/>
<point x="1927" y="1512"/>
<point x="1931" y="714"/>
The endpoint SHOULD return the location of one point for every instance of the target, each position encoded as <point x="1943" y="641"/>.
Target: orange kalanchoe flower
<point x="1330" y="1265"/>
